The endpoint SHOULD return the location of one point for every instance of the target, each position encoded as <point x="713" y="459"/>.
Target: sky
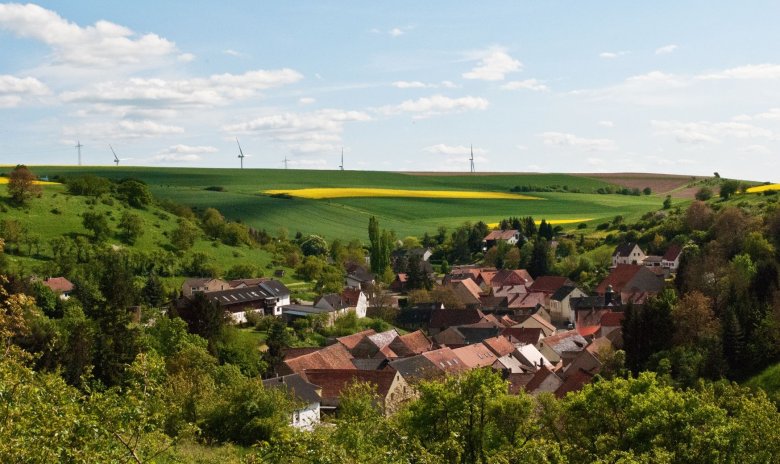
<point x="533" y="86"/>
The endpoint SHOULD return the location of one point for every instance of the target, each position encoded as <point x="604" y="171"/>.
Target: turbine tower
<point x="240" y="154"/>
<point x="472" y="159"/>
<point x="341" y="166"/>
<point x="116" y="158"/>
<point x="78" y="148"/>
<point x="285" y="161"/>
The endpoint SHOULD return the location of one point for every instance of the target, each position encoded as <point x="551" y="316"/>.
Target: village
<point x="541" y="335"/>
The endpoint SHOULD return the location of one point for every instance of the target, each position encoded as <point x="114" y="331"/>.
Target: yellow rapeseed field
<point x="763" y="188"/>
<point x="325" y="193"/>
<point x="555" y="222"/>
<point x="4" y="180"/>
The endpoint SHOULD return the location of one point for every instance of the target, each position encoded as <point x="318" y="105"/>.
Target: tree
<point x="647" y="191"/>
<point x="314" y="245"/>
<point x="728" y="188"/>
<point x="13" y="233"/>
<point x="213" y="223"/>
<point x="132" y="227"/>
<point x="204" y="317"/>
<point x="647" y="329"/>
<point x="153" y="292"/>
<point x="184" y="236"/>
<point x="540" y="258"/>
<point x="704" y="194"/>
<point x="278" y="340"/>
<point x="136" y="193"/>
<point x="241" y="271"/>
<point x="667" y="202"/>
<point x="22" y="185"/>
<point x="97" y="224"/>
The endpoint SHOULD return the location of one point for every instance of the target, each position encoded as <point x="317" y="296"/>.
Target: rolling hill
<point x="242" y="197"/>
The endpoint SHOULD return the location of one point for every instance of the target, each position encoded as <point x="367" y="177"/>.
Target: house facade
<point x="628" y="253"/>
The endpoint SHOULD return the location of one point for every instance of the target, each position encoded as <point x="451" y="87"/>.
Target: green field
<point x="348" y="217"/>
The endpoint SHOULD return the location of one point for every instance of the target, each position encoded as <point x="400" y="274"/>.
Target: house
<point x="612" y="325"/>
<point x="523" y="335"/>
<point x="307" y="394"/>
<point x="550" y="284"/>
<point x="536" y="321"/>
<point x="530" y="356"/>
<point x="358" y="277"/>
<point x="399" y="259"/>
<point x="411" y="344"/>
<point x="417" y="316"/>
<point x="563" y="346"/>
<point x="243" y="283"/>
<point x="351" y="341"/>
<point x="511" y="237"/>
<point x="391" y="389"/>
<point x="544" y="380"/>
<point x="632" y="282"/>
<point x="296" y="311"/>
<point x="349" y="300"/>
<point x="477" y="355"/>
<point x="399" y="282"/>
<point x="652" y="261"/>
<point x="507" y="277"/>
<point x="441" y="319"/>
<point x="467" y="291"/>
<point x="560" y="303"/>
<point x="466" y="334"/>
<point x="203" y="285"/>
<point x="331" y="357"/>
<point x="277" y="295"/>
<point x="499" y="345"/>
<point x="574" y="382"/>
<point x="61" y="286"/>
<point x="238" y="301"/>
<point x="627" y="253"/>
<point x="375" y="345"/>
<point x="671" y="259"/>
<point x="429" y="365"/>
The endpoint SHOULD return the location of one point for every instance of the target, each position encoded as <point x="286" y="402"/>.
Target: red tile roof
<point x="588" y="330"/>
<point x="351" y="341"/>
<point x="612" y="319"/>
<point x="351" y="296"/>
<point x="292" y="353"/>
<point x="523" y="335"/>
<point x="411" y="344"/>
<point x="574" y="382"/>
<point x="477" y="355"/>
<point x="330" y="357"/>
<point x="442" y="318"/>
<point x="549" y="284"/>
<point x="526" y="300"/>
<point x="447" y="360"/>
<point x="511" y="277"/>
<point x="537" y="379"/>
<point x="500" y="345"/>
<point x="624" y="274"/>
<point x="672" y="252"/>
<point x="334" y="381"/>
<point x="59" y="284"/>
<point x="500" y="235"/>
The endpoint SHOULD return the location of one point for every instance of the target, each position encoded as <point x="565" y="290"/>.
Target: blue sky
<point x="680" y="87"/>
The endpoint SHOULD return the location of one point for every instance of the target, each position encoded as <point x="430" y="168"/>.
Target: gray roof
<point x="416" y="368"/>
<point x="562" y="293"/>
<point x="236" y="296"/>
<point x="624" y="249"/>
<point x="369" y="364"/>
<point x="275" y="288"/>
<point x="303" y="310"/>
<point x="296" y="386"/>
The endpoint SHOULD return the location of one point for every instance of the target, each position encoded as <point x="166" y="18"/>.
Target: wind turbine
<point x="78" y="147"/>
<point x="472" y="159"/>
<point x="240" y="154"/>
<point x="116" y="158"/>
<point x="341" y="166"/>
<point x="285" y="161"/>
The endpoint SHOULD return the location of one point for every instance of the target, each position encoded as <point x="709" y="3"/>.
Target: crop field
<point x="326" y="193"/>
<point x="449" y="199"/>
<point x="763" y="188"/>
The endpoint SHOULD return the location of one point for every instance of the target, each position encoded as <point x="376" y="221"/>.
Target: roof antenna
<point x="240" y="153"/>
<point x="78" y="147"/>
<point x="472" y="159"/>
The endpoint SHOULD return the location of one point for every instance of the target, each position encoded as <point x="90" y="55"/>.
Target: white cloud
<point x="180" y="149"/>
<point x="103" y="44"/>
<point x="757" y="149"/>
<point x="494" y="64"/>
<point x="521" y="147"/>
<point x="396" y="32"/>
<point x="751" y="71"/>
<point x="437" y="104"/>
<point x="214" y="90"/>
<point x="443" y="149"/>
<point x="14" y="90"/>
<point x="232" y="52"/>
<point x="186" y="57"/>
<point x="174" y="158"/>
<point x="709" y="132"/>
<point x="612" y="55"/>
<point x="125" y="129"/>
<point x="528" y="84"/>
<point x="666" y="49"/>
<point x="449" y="85"/>
<point x="570" y="140"/>
<point x="771" y="114"/>
<point x="606" y="124"/>
<point x="655" y="88"/>
<point x="306" y="101"/>
<point x="410" y="85"/>
<point x="317" y="131"/>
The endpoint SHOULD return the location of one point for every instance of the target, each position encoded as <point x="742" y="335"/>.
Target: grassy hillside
<point x="769" y="381"/>
<point x="242" y="198"/>
<point x="57" y="213"/>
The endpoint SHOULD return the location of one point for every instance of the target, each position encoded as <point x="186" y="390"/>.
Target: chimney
<point x="608" y="295"/>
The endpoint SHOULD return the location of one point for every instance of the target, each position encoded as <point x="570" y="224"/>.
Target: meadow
<point x="242" y="199"/>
